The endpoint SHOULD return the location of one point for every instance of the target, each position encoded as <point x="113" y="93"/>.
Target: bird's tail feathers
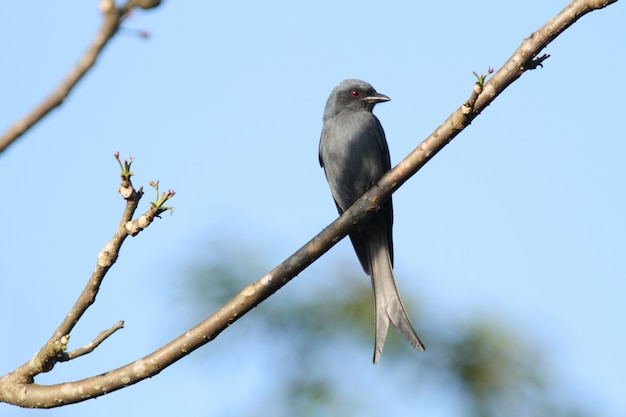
<point x="388" y="304"/>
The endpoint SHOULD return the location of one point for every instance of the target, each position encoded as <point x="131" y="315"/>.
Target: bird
<point x="354" y="154"/>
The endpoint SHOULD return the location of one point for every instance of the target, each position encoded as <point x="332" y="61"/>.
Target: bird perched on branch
<point x="354" y="154"/>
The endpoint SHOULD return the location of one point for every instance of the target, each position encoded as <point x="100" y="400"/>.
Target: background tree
<point x="310" y="340"/>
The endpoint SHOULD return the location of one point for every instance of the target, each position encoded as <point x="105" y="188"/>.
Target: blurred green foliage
<point x="480" y="364"/>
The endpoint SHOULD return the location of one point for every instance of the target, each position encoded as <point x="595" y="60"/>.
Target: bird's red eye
<point x="356" y="93"/>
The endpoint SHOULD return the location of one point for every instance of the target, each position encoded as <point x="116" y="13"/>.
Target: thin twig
<point x="111" y="23"/>
<point x="106" y="259"/>
<point x="89" y="347"/>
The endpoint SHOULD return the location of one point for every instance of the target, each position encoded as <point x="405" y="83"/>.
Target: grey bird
<point x="354" y="154"/>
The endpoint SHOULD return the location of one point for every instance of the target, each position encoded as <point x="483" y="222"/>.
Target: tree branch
<point x="18" y="387"/>
<point x="113" y="17"/>
<point x="89" y="347"/>
<point x="14" y="386"/>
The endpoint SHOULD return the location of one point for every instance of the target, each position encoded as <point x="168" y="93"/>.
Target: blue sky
<point x="521" y="217"/>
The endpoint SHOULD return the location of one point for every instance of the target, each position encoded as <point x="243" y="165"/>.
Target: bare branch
<point x="89" y="347"/>
<point x="113" y="17"/>
<point x="55" y="348"/>
<point x="105" y="260"/>
<point x="110" y="252"/>
<point x="18" y="387"/>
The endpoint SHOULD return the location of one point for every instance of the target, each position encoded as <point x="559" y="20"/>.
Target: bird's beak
<point x="376" y="98"/>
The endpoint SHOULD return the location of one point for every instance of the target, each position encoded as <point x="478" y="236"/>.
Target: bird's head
<point x="352" y="95"/>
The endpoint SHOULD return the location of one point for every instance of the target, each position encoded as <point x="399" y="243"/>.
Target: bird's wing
<point x="354" y="155"/>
